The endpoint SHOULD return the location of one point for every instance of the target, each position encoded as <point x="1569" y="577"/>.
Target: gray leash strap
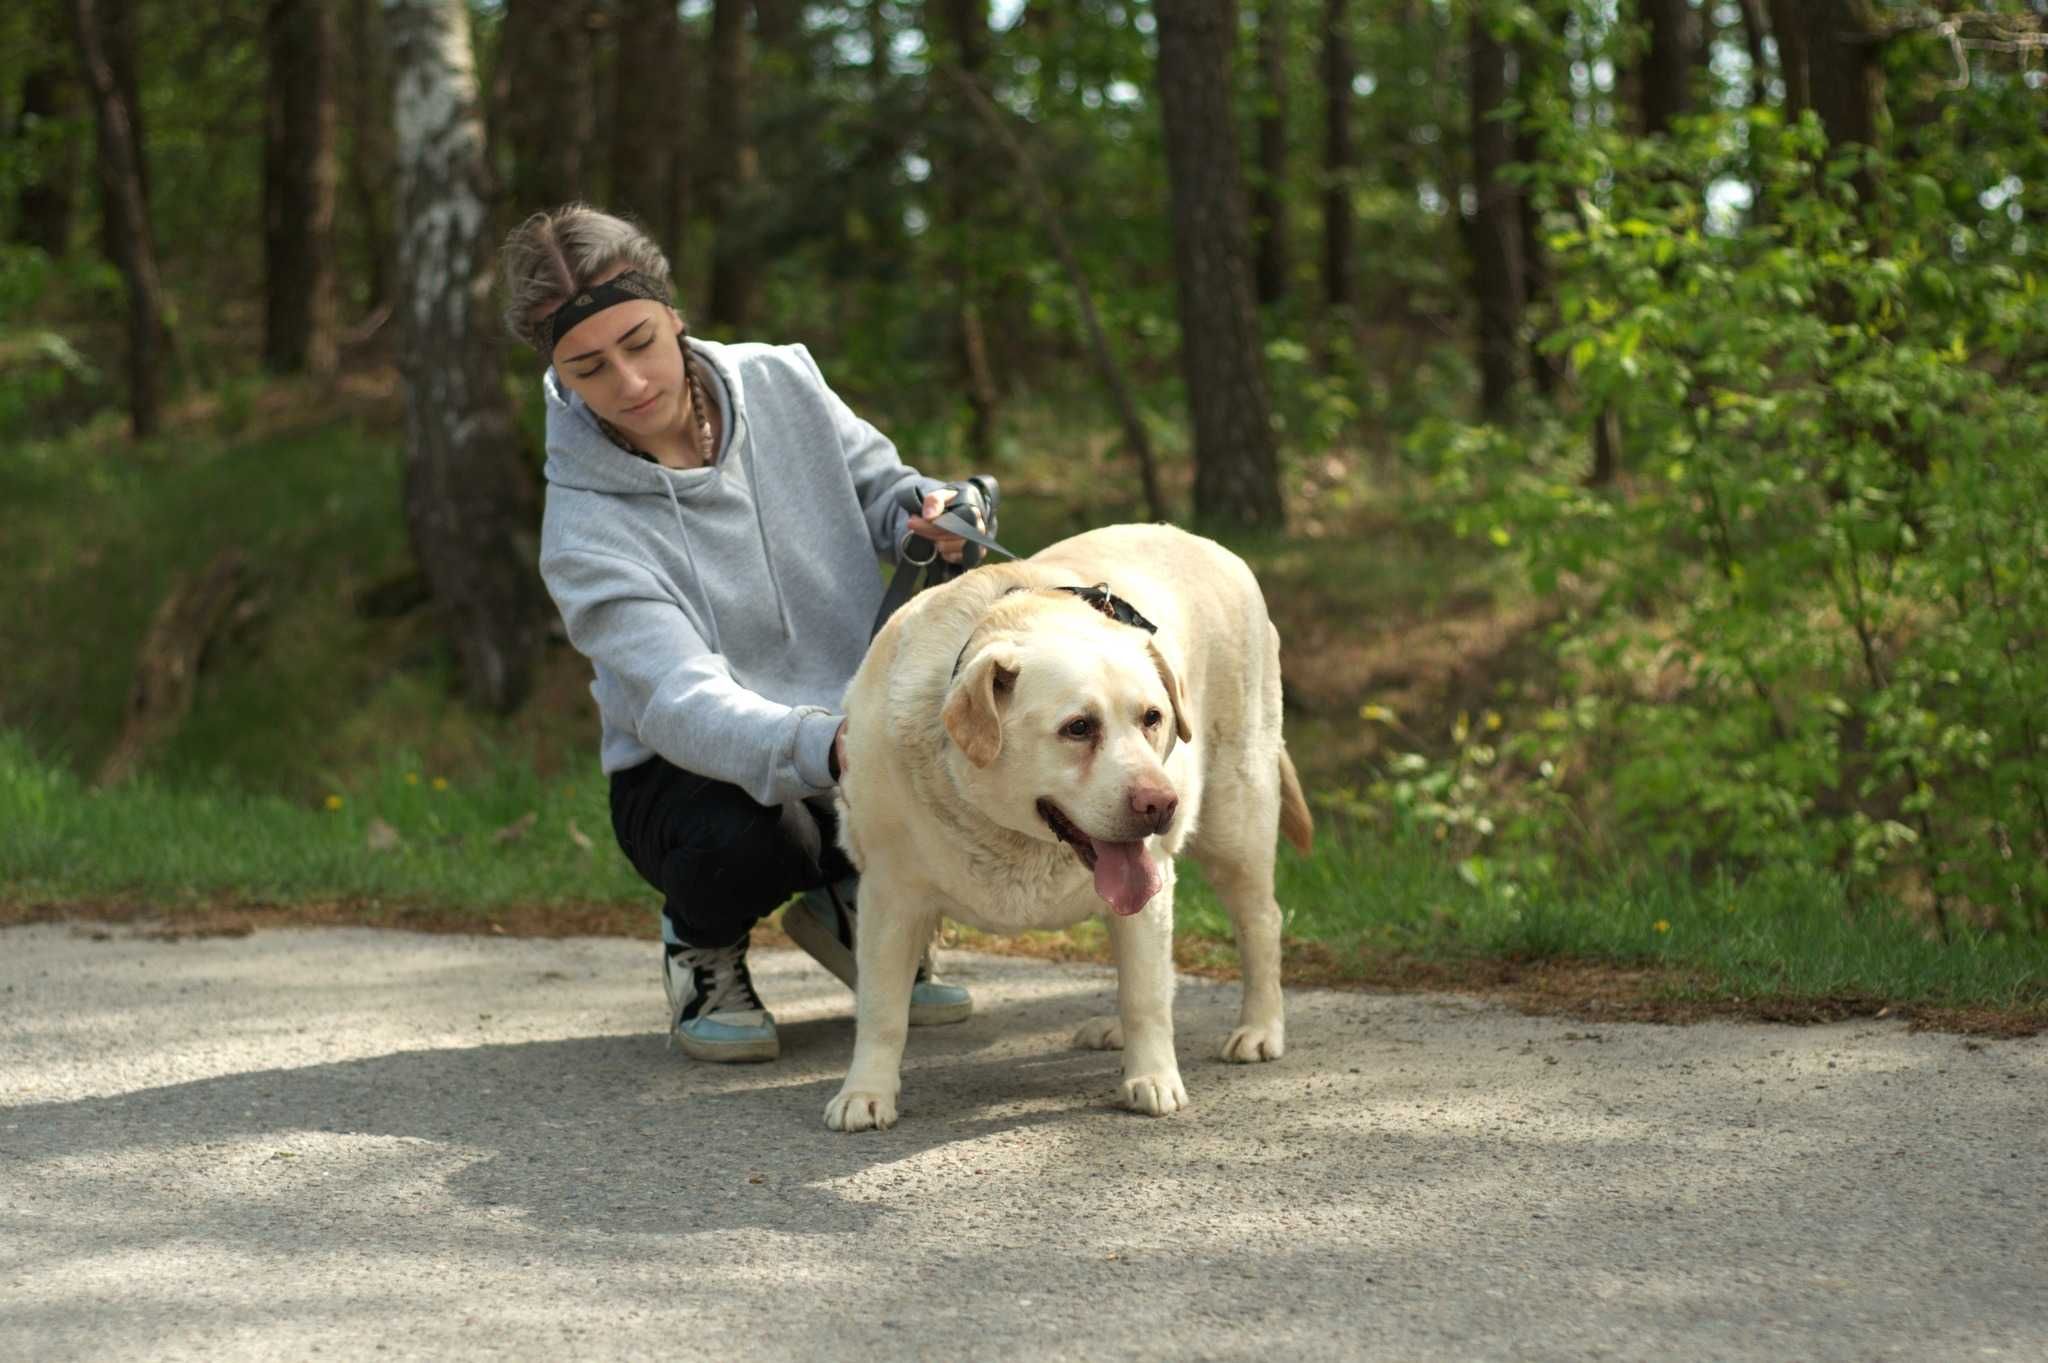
<point x="977" y="493"/>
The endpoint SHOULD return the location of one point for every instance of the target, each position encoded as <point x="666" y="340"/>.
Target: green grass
<point x="1790" y="934"/>
<point x="1361" y="895"/>
<point x="310" y="702"/>
<point x="460" y="846"/>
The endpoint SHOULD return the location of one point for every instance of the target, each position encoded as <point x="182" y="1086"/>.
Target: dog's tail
<point x="1296" y="823"/>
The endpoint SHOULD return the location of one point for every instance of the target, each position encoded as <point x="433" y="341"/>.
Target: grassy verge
<point x="406" y="845"/>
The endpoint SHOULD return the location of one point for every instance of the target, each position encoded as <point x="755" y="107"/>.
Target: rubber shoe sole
<point x="709" y="1040"/>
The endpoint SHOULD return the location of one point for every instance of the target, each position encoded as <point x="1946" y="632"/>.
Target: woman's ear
<point x="675" y="322"/>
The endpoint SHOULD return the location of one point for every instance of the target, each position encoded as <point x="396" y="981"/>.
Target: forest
<point x="1631" y="407"/>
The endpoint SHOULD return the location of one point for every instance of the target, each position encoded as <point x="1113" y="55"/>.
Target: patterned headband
<point x="588" y="302"/>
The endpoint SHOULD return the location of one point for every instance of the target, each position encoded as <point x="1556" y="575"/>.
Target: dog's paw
<point x="1100" y="1034"/>
<point x="1248" y="1044"/>
<point x="1155" y="1095"/>
<point x="861" y="1111"/>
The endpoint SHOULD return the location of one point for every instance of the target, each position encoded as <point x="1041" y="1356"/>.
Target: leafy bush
<point x="1817" y="592"/>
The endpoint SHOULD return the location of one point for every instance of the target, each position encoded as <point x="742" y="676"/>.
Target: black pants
<point x="723" y="861"/>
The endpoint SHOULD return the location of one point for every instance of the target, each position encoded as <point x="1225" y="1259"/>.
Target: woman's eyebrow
<point x="589" y="354"/>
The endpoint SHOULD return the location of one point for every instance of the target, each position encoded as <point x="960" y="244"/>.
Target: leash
<point x="978" y="494"/>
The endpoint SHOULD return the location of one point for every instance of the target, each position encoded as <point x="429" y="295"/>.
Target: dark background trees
<point x="1607" y="249"/>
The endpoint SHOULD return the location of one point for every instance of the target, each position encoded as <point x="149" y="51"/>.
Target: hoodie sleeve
<point x="879" y="475"/>
<point x="688" y="706"/>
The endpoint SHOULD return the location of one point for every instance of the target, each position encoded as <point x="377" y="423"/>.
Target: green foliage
<point x="1811" y="613"/>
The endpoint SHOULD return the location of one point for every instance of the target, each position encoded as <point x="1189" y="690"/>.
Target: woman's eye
<point x="1079" y="728"/>
<point x="643" y="345"/>
<point x="1152" y="718"/>
<point x="590" y="373"/>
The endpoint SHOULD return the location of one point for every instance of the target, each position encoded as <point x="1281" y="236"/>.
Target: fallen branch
<point x="167" y="668"/>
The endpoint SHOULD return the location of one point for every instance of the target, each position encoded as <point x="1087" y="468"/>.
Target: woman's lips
<point x="640" y="408"/>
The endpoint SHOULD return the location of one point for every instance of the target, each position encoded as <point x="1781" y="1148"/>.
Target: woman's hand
<point x="951" y="546"/>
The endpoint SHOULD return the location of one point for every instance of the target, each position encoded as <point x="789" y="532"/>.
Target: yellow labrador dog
<point x="1021" y="754"/>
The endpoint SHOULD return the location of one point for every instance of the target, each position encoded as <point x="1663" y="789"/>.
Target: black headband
<point x="588" y="302"/>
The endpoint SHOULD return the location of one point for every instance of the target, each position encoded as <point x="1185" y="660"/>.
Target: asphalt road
<point x="352" y="1144"/>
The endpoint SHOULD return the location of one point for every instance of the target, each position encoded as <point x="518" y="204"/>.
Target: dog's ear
<point x="1183" y="718"/>
<point x="974" y="709"/>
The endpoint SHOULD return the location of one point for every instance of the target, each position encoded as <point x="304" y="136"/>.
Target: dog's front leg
<point x="1143" y="942"/>
<point x="893" y="928"/>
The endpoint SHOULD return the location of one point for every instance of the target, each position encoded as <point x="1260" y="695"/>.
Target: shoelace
<point x="721" y="985"/>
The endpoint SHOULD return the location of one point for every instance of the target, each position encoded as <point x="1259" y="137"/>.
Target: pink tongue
<point x="1125" y="875"/>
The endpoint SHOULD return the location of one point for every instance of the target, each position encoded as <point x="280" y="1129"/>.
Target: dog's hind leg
<point x="1237" y="856"/>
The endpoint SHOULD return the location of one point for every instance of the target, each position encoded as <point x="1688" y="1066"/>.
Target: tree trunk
<point x="550" y="117"/>
<point x="1237" y="479"/>
<point x="1547" y="371"/>
<point x="1788" y="26"/>
<point x="736" y="167"/>
<point x="127" y="219"/>
<point x="646" y="142"/>
<point x="298" y="189"/>
<point x="960" y="38"/>
<point x="470" y="500"/>
<point x="1340" y="159"/>
<point x="370" y="155"/>
<point x="46" y="204"/>
<point x="1845" y="72"/>
<point x="116" y="22"/>
<point x="1497" y="226"/>
<point x="1668" y="65"/>
<point x="1269" y="206"/>
<point x="1754" y="29"/>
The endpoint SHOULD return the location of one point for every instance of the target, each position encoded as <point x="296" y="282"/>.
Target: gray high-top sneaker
<point x="713" y="1011"/>
<point x="822" y="922"/>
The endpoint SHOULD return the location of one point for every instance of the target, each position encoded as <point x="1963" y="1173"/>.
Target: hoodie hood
<point x="725" y="608"/>
<point x="582" y="456"/>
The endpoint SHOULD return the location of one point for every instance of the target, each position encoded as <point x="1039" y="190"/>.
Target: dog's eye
<point x="1083" y="727"/>
<point x="1152" y="718"/>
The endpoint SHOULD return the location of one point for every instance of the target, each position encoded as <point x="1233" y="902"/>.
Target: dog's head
<point x="1063" y="721"/>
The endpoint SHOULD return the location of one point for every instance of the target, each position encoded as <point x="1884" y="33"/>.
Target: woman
<point x="714" y="518"/>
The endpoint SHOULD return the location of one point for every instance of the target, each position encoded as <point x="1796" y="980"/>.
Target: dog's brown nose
<point x="1155" y="805"/>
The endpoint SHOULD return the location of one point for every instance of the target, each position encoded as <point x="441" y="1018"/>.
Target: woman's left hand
<point x="951" y="546"/>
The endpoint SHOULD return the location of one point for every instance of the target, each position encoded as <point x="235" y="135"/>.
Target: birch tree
<point x="470" y="501"/>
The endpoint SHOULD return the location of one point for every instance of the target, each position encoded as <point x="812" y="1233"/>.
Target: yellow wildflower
<point x="440" y="783"/>
<point x="1662" y="925"/>
<point x="412" y="778"/>
<point x="333" y="802"/>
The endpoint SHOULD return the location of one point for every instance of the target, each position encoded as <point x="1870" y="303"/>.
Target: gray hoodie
<point x="725" y="608"/>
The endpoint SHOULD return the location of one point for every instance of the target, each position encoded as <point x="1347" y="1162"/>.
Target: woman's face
<point x="626" y="365"/>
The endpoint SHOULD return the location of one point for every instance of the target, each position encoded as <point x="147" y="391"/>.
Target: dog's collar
<point x="1112" y="605"/>
<point x="1099" y="596"/>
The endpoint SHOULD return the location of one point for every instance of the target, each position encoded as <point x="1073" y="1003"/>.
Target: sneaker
<point x="714" y="1013"/>
<point x="822" y="922"/>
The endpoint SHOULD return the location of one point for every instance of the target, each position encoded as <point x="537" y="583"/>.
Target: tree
<point x="1340" y="159"/>
<point x="1496" y="236"/>
<point x="1668" y="65"/>
<point x="1236" y="466"/>
<point x="550" y="118"/>
<point x="958" y="30"/>
<point x="735" y="169"/>
<point x="51" y="99"/>
<point x="133" y="242"/>
<point x="367" y="89"/>
<point x="647" y="133"/>
<point x="299" y="188"/>
<point x="1269" y="207"/>
<point x="470" y="501"/>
